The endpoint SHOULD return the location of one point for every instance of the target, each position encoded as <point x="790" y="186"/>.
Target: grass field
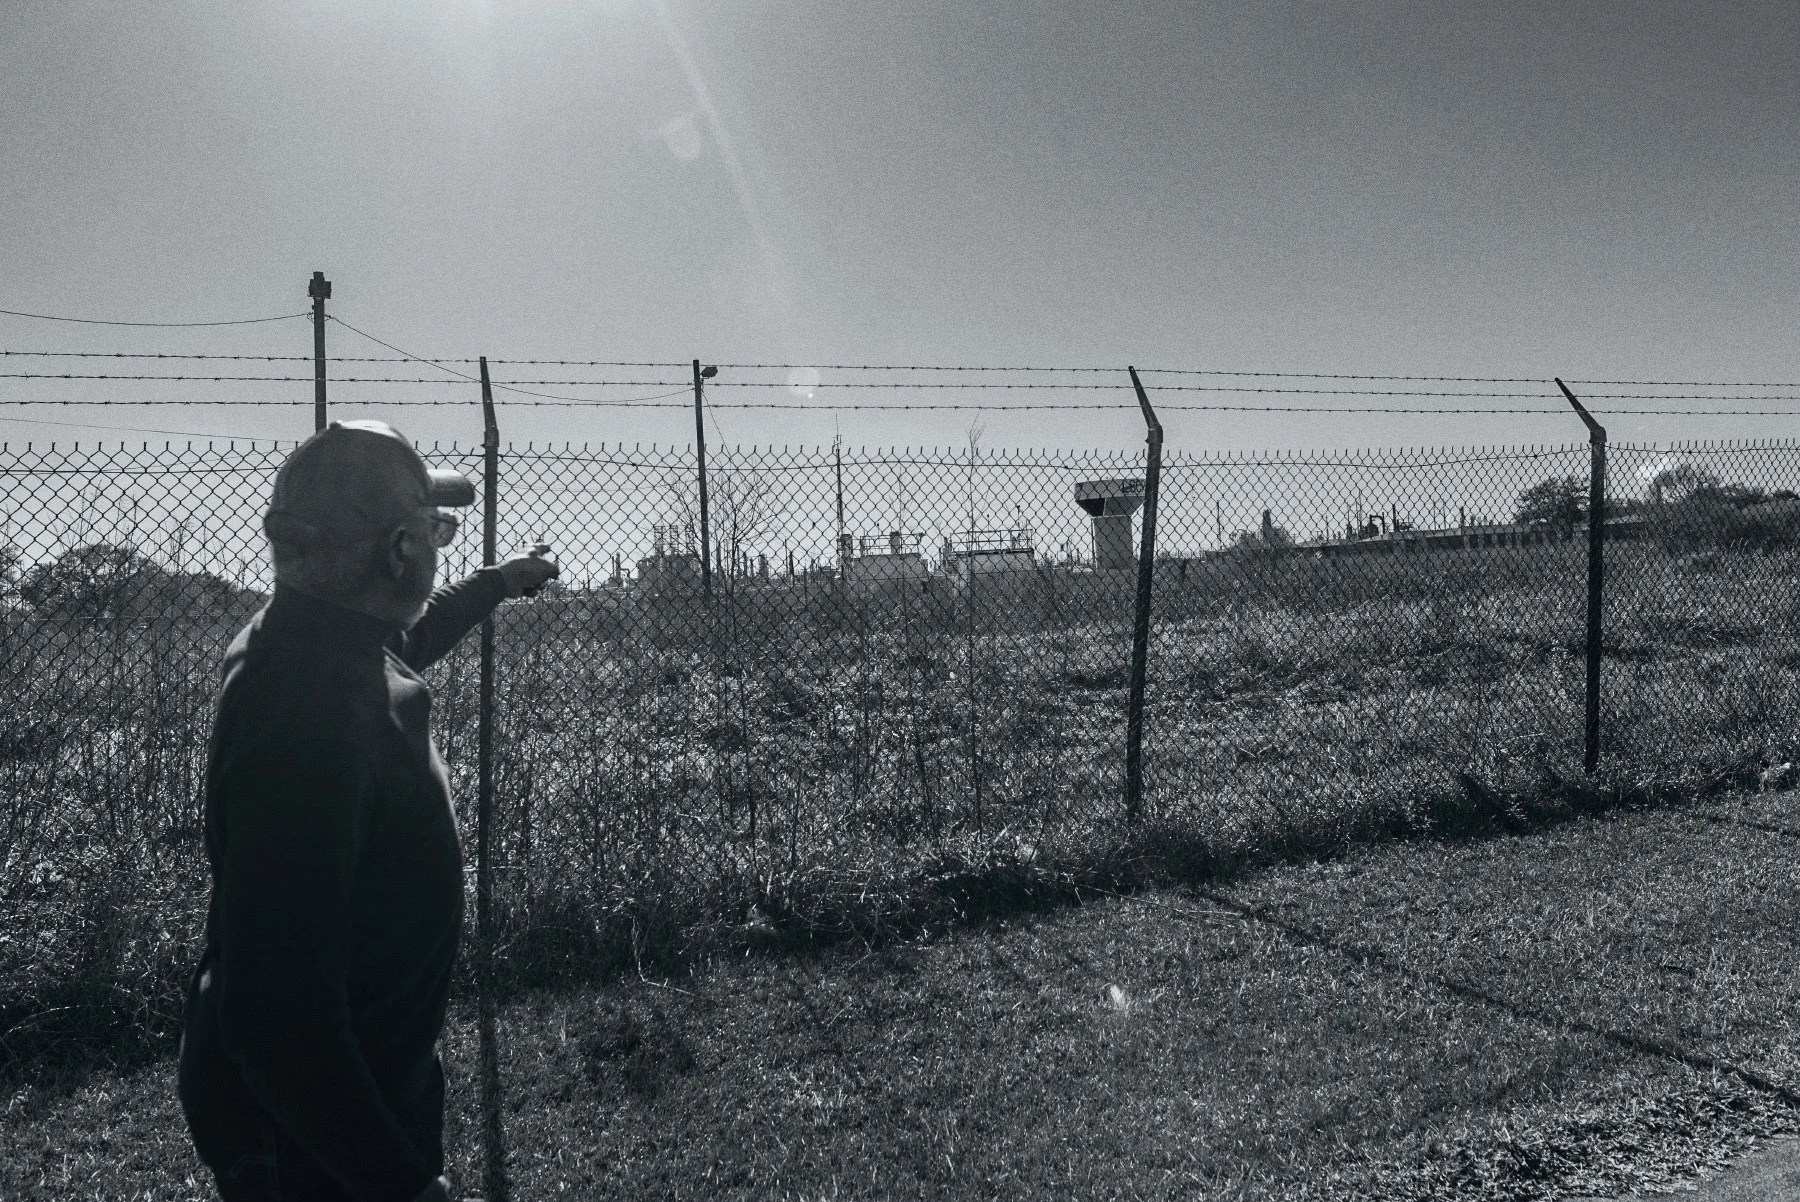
<point x="1597" y="1005"/>
<point x="873" y="765"/>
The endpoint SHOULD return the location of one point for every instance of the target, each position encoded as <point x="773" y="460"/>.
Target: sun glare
<point x="803" y="381"/>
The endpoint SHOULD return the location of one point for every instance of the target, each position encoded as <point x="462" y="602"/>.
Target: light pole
<point x="703" y="373"/>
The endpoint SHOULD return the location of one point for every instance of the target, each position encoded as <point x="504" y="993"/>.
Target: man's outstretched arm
<point x="455" y="609"/>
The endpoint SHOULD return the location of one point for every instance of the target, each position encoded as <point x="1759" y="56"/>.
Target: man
<point x="309" y="1064"/>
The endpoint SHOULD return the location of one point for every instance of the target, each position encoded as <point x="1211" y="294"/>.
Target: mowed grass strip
<point x="1521" y="1017"/>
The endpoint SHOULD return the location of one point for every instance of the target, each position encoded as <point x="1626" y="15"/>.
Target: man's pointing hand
<point x="525" y="574"/>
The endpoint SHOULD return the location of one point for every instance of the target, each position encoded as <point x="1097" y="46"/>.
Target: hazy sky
<point x="1598" y="190"/>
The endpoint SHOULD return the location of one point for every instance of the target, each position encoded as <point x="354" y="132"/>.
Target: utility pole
<point x="703" y="373"/>
<point x="320" y="291"/>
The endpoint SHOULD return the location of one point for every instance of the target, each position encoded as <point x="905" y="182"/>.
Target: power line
<point x="258" y="358"/>
<point x="131" y="429"/>
<point x="91" y="321"/>
<point x="513" y="387"/>
<point x="403" y="357"/>
<point x="415" y="358"/>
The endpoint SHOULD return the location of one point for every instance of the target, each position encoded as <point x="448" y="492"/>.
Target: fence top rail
<point x="15" y="455"/>
<point x="1707" y="446"/>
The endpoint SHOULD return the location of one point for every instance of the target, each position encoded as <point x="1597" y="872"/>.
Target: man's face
<point x="433" y="528"/>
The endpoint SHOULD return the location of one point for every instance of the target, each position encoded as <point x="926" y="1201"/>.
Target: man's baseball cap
<point x="353" y="479"/>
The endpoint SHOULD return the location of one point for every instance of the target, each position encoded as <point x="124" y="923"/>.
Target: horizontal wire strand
<point x="674" y="387"/>
<point x="404" y="357"/>
<point x="94" y="321"/>
<point x="651" y="403"/>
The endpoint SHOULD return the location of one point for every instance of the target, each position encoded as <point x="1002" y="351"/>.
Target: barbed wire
<point x="675" y="388"/>
<point x="571" y="401"/>
<point x="1326" y="375"/>
<point x="1687" y="383"/>
<point x="961" y="406"/>
<point x="71" y="375"/>
<point x="406" y="357"/>
<point x="93" y="321"/>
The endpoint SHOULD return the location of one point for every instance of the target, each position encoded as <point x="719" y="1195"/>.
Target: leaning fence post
<point x="1596" y="570"/>
<point x="495" y="1185"/>
<point x="700" y="374"/>
<point x="1140" y="630"/>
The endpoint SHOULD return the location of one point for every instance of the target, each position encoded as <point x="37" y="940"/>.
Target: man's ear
<point x="397" y="551"/>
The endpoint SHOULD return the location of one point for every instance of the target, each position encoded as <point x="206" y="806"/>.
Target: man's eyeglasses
<point x="443" y="528"/>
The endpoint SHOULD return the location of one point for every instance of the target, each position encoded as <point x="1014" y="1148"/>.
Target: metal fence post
<point x="1590" y="757"/>
<point x="495" y="1185"/>
<point x="1140" y="630"/>
<point x="700" y="465"/>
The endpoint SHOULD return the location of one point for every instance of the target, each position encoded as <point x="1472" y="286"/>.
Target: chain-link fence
<point x="849" y="671"/>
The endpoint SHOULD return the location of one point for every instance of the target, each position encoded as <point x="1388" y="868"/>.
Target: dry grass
<point x="1514" y="1018"/>
<point x="884" y="766"/>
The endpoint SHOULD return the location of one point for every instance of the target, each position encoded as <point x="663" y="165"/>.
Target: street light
<point x="703" y="373"/>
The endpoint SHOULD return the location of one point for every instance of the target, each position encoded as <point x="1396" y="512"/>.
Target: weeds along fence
<point x="878" y="670"/>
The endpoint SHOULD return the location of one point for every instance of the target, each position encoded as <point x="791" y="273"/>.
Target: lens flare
<point x="1659" y="466"/>
<point x="681" y="137"/>
<point x="803" y="381"/>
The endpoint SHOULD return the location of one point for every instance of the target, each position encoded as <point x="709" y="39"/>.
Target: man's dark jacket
<point x="337" y="897"/>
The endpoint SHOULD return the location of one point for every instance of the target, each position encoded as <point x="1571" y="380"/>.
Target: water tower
<point x="1111" y="502"/>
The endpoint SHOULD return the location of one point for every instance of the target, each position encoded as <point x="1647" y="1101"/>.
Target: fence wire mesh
<point x="856" y="668"/>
